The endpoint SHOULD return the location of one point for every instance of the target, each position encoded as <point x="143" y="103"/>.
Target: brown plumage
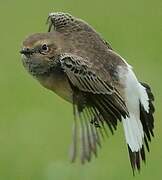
<point x="75" y="62"/>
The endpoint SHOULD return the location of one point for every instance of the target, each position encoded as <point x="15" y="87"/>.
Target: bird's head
<point x="39" y="52"/>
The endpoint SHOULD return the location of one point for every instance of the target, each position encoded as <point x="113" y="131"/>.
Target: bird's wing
<point x="65" y="23"/>
<point x="82" y="76"/>
<point x="59" y="21"/>
<point x="95" y="102"/>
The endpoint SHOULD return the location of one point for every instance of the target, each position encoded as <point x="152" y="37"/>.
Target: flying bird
<point x="76" y="63"/>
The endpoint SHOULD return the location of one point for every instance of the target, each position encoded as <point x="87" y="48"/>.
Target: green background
<point x="35" y="124"/>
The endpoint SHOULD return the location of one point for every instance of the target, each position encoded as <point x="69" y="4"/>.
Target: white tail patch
<point x="133" y="133"/>
<point x="134" y="93"/>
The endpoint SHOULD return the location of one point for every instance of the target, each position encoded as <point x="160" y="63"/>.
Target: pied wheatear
<point x="74" y="61"/>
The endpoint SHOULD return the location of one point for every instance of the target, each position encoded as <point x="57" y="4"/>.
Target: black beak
<point x="26" y="51"/>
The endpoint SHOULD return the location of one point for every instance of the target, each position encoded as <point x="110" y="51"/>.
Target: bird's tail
<point x="138" y="127"/>
<point x="146" y="117"/>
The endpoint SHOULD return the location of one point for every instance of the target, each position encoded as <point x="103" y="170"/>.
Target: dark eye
<point x="44" y="47"/>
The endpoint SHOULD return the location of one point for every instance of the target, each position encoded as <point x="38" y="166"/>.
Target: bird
<point x="74" y="61"/>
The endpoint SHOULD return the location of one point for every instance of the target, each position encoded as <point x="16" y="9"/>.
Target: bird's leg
<point x="95" y="122"/>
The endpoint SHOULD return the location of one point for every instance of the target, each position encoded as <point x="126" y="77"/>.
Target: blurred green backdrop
<point x="35" y="124"/>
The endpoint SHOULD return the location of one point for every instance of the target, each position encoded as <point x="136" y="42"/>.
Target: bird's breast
<point x="59" y="84"/>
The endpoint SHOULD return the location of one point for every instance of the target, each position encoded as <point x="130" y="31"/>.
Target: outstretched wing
<point x="95" y="102"/>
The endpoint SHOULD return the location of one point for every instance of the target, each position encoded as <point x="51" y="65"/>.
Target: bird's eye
<point x="45" y="47"/>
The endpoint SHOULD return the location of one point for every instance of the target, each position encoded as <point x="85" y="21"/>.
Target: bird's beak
<point x="26" y="51"/>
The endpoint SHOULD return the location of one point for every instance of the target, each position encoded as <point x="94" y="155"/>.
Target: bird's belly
<point x="59" y="85"/>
